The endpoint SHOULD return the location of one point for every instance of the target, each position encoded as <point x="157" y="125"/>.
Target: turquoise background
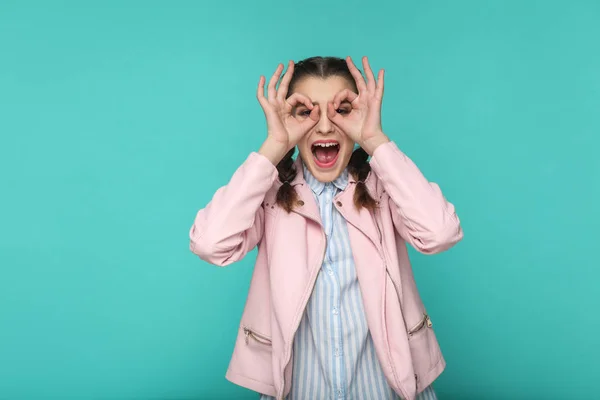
<point x="118" y="120"/>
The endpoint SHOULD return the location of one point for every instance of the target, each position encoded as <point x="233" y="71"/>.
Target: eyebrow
<point x="316" y="103"/>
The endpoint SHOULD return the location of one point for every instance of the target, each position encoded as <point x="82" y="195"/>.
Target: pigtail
<point x="359" y="168"/>
<point x="286" y="195"/>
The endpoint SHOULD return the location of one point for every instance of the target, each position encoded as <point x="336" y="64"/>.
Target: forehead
<point x="321" y="89"/>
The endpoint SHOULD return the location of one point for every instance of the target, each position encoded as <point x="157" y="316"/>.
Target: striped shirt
<point x="334" y="355"/>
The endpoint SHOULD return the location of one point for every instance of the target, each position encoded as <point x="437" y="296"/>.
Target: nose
<point x="324" y="125"/>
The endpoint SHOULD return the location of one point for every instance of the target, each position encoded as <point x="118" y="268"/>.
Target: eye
<point x="304" y="113"/>
<point x="342" y="111"/>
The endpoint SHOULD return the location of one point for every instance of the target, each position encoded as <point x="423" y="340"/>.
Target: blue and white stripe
<point x="334" y="355"/>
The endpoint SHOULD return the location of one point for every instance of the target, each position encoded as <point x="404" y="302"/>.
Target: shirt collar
<point x="317" y="186"/>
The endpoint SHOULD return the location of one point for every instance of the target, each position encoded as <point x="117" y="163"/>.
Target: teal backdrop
<point x="119" y="120"/>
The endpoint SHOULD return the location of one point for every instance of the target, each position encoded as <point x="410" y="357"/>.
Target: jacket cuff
<point x="385" y="158"/>
<point x="262" y="168"/>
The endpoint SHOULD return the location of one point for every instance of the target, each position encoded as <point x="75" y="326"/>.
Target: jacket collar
<point x="299" y="180"/>
<point x="362" y="218"/>
<point x="341" y="182"/>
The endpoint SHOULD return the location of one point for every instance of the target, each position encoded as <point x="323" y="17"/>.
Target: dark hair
<point x="358" y="167"/>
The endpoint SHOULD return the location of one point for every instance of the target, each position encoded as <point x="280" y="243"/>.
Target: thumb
<point x="334" y="116"/>
<point x="312" y="119"/>
<point x="314" y="114"/>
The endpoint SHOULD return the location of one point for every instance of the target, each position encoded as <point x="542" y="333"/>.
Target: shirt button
<point x="329" y="271"/>
<point x="337" y="352"/>
<point x="340" y="393"/>
<point x="335" y="311"/>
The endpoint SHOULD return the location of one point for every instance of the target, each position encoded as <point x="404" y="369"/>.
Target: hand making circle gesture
<point x="284" y="131"/>
<point x="363" y="123"/>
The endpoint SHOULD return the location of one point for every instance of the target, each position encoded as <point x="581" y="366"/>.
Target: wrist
<point x="274" y="151"/>
<point x="370" y="145"/>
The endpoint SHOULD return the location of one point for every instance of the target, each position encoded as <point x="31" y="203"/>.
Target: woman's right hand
<point x="284" y="131"/>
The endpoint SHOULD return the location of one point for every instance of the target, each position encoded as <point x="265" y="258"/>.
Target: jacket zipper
<point x="384" y="259"/>
<point x="256" y="336"/>
<point x="296" y="323"/>
<point x="416" y="383"/>
<point x="424" y="322"/>
<point x="382" y="253"/>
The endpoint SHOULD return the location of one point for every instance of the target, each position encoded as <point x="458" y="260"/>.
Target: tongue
<point x="326" y="154"/>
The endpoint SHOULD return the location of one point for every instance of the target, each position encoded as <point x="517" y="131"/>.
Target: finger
<point x="313" y="117"/>
<point x="343" y="95"/>
<point x="297" y="98"/>
<point x="331" y="111"/>
<point x="358" y="78"/>
<point x="379" y="90"/>
<point x="371" y="84"/>
<point x="260" y="91"/>
<point x="285" y="82"/>
<point x="337" y="119"/>
<point x="273" y="82"/>
<point x="311" y="121"/>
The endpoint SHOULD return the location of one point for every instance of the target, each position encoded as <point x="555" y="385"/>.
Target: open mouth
<point x="325" y="152"/>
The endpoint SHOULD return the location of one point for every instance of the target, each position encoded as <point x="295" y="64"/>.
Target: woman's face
<point x="325" y="149"/>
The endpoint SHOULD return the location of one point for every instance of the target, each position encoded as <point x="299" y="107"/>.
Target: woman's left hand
<point x="363" y="123"/>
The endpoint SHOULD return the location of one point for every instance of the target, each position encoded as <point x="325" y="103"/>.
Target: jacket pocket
<point x="424" y="348"/>
<point x="424" y="323"/>
<point x="251" y="365"/>
<point x="251" y="334"/>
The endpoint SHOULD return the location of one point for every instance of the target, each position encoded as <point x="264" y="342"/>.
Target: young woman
<point x="333" y="311"/>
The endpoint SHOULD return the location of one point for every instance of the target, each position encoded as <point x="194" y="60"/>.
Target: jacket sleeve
<point x="232" y="223"/>
<point x="421" y="214"/>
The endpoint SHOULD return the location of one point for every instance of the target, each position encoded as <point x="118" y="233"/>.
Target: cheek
<point x="304" y="150"/>
<point x="303" y="142"/>
<point x="348" y="148"/>
<point x="348" y="152"/>
<point x="303" y="145"/>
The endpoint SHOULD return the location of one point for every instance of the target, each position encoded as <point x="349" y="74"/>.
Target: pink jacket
<point x="291" y="247"/>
